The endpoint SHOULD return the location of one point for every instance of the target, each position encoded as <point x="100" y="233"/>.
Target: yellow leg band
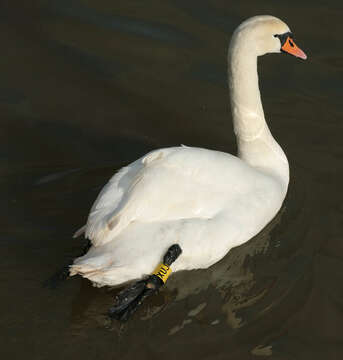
<point x="162" y="271"/>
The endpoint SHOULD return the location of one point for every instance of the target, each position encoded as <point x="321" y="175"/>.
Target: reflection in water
<point x="87" y="87"/>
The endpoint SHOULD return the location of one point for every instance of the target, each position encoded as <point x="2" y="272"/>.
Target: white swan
<point x="206" y="201"/>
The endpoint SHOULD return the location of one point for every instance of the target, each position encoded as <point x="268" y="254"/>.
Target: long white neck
<point x="256" y="145"/>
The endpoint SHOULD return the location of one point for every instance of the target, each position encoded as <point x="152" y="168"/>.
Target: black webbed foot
<point x="128" y="300"/>
<point x="56" y="279"/>
<point x="63" y="274"/>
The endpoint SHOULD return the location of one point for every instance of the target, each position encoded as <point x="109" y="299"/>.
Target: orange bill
<point x="290" y="48"/>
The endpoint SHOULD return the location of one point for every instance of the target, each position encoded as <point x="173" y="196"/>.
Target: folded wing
<point x="166" y="184"/>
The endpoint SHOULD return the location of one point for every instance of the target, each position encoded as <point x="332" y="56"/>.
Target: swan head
<point x="267" y="34"/>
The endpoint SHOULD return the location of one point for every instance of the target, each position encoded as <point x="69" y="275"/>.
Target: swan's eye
<point x="284" y="37"/>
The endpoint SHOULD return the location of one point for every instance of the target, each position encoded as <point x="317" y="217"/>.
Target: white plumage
<point x="206" y="201"/>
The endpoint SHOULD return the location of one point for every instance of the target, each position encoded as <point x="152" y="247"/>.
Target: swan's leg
<point x="129" y="299"/>
<point x="63" y="273"/>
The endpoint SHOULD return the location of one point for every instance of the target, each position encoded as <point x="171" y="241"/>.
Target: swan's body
<point x="206" y="201"/>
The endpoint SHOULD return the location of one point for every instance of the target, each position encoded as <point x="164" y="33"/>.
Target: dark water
<point x="85" y="88"/>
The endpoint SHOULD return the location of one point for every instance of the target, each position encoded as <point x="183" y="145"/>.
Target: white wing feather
<point x="169" y="184"/>
<point x="107" y="216"/>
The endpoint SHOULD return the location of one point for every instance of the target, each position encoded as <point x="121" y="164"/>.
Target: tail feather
<point x="79" y="232"/>
<point x="111" y="276"/>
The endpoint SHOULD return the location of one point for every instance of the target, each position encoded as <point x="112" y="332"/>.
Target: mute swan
<point x="205" y="201"/>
